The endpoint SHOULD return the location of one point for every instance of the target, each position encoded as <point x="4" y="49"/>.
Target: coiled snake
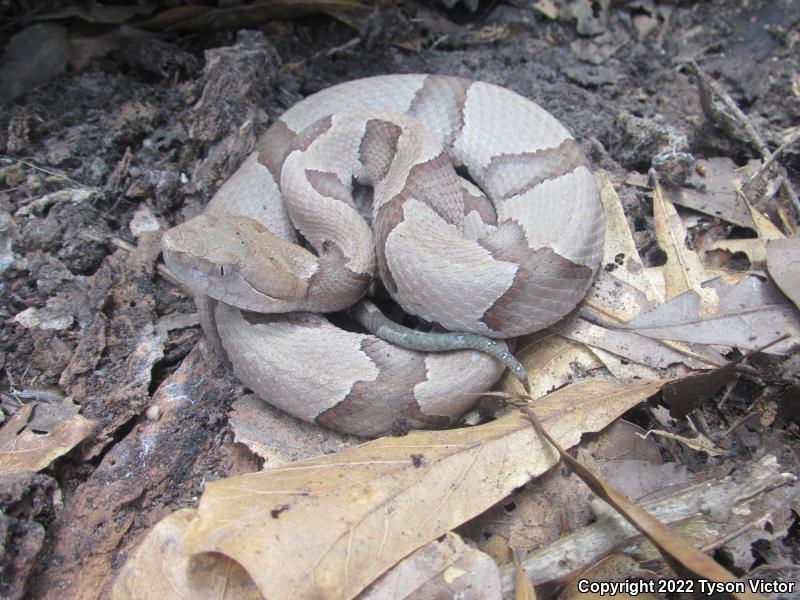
<point x="499" y="267"/>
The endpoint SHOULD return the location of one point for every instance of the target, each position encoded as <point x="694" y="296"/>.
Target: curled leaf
<point x="28" y="451"/>
<point x="329" y="526"/>
<point x="160" y="569"/>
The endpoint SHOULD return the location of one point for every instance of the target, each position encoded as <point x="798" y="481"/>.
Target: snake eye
<point x="220" y="271"/>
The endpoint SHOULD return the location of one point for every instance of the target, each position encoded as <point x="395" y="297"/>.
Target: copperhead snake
<point x="499" y="267"/>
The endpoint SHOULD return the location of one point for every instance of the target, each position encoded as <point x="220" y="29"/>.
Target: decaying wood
<point x="743" y="501"/>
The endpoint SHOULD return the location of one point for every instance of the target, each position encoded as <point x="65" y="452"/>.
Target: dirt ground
<point x="139" y="130"/>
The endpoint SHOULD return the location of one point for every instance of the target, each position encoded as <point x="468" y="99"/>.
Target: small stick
<point x="736" y="114"/>
<point x="790" y="139"/>
<point x="160" y="268"/>
<point x="10" y="160"/>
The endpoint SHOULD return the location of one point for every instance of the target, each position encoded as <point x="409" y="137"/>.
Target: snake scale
<point x="506" y="249"/>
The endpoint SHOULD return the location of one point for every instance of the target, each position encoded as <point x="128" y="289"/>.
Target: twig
<point x="735" y="114"/>
<point x="683" y="557"/>
<point x="160" y="268"/>
<point x="590" y="310"/>
<point x="740" y="495"/>
<point x="11" y="159"/>
<point x="351" y="43"/>
<point x="790" y="139"/>
<point x="757" y="523"/>
<point x="119" y="171"/>
<point x="328" y="52"/>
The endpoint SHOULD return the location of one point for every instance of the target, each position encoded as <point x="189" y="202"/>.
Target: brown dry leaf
<point x="622" y="440"/>
<point x="620" y="256"/>
<point x="160" y="569"/>
<point x="684" y="271"/>
<point x="629" y="345"/>
<point x="28" y="451"/>
<point x="783" y="263"/>
<point x="685" y="394"/>
<point x="622" y="368"/>
<point x="447" y="568"/>
<point x="335" y="523"/>
<point x="682" y="395"/>
<point x="556" y="504"/>
<point x="615" y="299"/>
<point x="640" y="479"/>
<point x="765" y="228"/>
<point x="712" y="190"/>
<point x="203" y="18"/>
<point x="699" y="442"/>
<point x="753" y="248"/>
<point x="550" y="363"/>
<point x="616" y="567"/>
<point x="279" y="438"/>
<point x="622" y="290"/>
<point x="751" y="314"/>
<point x="728" y="276"/>
<point x="631" y="461"/>
<point x="656" y="275"/>
<point x="686" y="559"/>
<point x="523" y="587"/>
<point x="546" y="509"/>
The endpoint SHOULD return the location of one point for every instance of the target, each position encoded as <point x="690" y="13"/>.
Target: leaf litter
<point x="232" y="520"/>
<point x="342" y="561"/>
<point x="690" y="344"/>
<point x="365" y="508"/>
<point x="685" y="558"/>
<point x="22" y="449"/>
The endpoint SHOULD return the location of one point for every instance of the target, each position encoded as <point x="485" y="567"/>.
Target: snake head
<point x="238" y="261"/>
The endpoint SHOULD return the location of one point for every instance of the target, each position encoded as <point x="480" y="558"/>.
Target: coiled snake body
<point x="501" y="267"/>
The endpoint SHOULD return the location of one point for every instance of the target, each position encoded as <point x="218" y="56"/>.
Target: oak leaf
<point x="783" y="263"/>
<point x="684" y="270"/>
<point x="751" y="314"/>
<point x="329" y="526"/>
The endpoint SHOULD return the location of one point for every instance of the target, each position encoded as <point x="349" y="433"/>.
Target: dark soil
<point x="159" y="122"/>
